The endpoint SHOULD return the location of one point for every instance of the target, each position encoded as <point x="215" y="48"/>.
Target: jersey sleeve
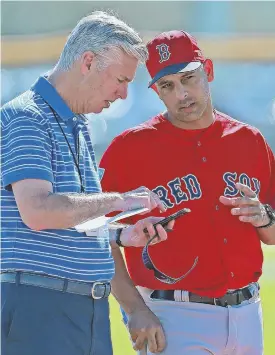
<point x="110" y="167"/>
<point x="266" y="165"/>
<point x="26" y="148"/>
<point x="271" y="191"/>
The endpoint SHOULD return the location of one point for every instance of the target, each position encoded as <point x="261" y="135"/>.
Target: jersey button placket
<point x="199" y="145"/>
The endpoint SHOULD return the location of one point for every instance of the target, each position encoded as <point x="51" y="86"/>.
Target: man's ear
<point x="209" y="69"/>
<point x="87" y="61"/>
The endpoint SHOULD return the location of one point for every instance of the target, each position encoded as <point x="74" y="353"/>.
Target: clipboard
<point x="99" y="222"/>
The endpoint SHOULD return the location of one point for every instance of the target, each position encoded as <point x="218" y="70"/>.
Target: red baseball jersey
<point x="193" y="168"/>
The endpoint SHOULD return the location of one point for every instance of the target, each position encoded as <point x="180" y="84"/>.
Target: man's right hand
<point x="145" y="328"/>
<point x="139" y="198"/>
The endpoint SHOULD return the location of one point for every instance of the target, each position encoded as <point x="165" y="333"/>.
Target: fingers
<point x="150" y="221"/>
<point x="248" y="208"/>
<point x="146" y="330"/>
<point x="160" y="338"/>
<point x="152" y="343"/>
<point x="161" y="231"/>
<point x="133" y="336"/>
<point x="249" y="198"/>
<point x="245" y="189"/>
<point x="254" y="215"/>
<point x="251" y="219"/>
<point x="227" y="201"/>
<point x="140" y="341"/>
<point x="153" y="199"/>
<point x="238" y="201"/>
<point x="246" y="211"/>
<point x="162" y="234"/>
<point x="146" y="225"/>
<point x="141" y="232"/>
<point x="144" y="229"/>
<point x="170" y="225"/>
<point x="155" y="340"/>
<point x="248" y="214"/>
<point x="157" y="200"/>
<point x="150" y="229"/>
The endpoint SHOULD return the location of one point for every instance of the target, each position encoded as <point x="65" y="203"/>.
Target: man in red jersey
<point x="224" y="171"/>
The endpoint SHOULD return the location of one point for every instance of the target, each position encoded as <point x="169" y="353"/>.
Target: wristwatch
<point x="271" y="214"/>
<point x="118" y="234"/>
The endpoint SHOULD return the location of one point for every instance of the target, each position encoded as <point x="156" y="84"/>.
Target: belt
<point x="96" y="290"/>
<point x="229" y="299"/>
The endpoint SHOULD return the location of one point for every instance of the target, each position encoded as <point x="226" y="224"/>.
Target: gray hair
<point x="101" y="33"/>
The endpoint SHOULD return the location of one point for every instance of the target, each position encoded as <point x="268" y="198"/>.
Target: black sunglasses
<point x="157" y="273"/>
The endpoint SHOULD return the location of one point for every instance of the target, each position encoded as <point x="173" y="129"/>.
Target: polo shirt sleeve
<point x="26" y="147"/>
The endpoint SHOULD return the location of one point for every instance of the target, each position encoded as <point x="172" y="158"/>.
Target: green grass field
<point x="121" y="342"/>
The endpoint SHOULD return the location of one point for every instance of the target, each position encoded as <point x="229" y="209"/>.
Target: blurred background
<point x="239" y="36"/>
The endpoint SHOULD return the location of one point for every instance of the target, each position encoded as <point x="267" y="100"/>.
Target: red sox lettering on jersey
<point x="188" y="187"/>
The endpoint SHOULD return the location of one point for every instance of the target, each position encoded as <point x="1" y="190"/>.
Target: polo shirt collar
<point x="48" y="92"/>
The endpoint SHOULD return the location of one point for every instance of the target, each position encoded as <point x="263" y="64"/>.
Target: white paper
<point x="92" y="224"/>
<point x="99" y="222"/>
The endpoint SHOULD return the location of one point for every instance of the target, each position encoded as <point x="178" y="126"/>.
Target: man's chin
<point x="97" y="110"/>
<point x="101" y="108"/>
<point x="188" y="117"/>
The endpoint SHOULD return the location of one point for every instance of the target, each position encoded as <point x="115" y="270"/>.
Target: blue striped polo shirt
<point x="34" y="147"/>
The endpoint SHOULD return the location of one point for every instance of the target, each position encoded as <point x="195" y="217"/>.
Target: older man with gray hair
<point x="56" y="281"/>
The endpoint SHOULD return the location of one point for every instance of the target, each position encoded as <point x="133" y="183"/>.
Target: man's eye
<point x="120" y="80"/>
<point x="166" y="86"/>
<point x="189" y="77"/>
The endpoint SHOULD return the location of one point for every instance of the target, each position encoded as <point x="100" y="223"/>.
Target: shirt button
<point x="204" y="159"/>
<point x="74" y="119"/>
<point x="232" y="274"/>
<point x="217" y="207"/>
<point x="225" y="241"/>
<point x="199" y="143"/>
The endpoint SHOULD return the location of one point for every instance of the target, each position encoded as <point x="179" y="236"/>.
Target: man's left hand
<point x="134" y="236"/>
<point x="248" y="207"/>
<point x="146" y="329"/>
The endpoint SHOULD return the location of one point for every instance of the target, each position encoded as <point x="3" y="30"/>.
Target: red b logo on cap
<point x="163" y="52"/>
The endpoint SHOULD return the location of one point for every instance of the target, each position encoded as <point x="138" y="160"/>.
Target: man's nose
<point x="181" y="93"/>
<point x="123" y="91"/>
